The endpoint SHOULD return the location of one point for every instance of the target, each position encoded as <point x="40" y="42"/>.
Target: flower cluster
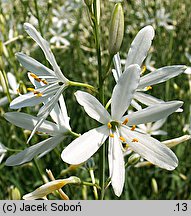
<point x="117" y="126"/>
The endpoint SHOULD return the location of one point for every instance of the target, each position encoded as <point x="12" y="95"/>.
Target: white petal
<point x="117" y="64"/>
<point x="82" y="148"/>
<point x="150" y="149"/>
<point x="147" y="99"/>
<point x="34" y="34"/>
<point x="93" y="107"/>
<point x="158" y="132"/>
<point x="158" y="124"/>
<point x="188" y="70"/>
<point x="29" y="153"/>
<point x="124" y="90"/>
<point x="28" y="122"/>
<point x="117" y="166"/>
<point x="33" y="66"/>
<point x="12" y="82"/>
<point x="135" y="105"/>
<point x="4" y="101"/>
<point x="140" y="46"/>
<point x="153" y="113"/>
<point x="161" y="75"/>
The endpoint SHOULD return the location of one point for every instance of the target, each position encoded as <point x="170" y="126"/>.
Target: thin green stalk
<point x="38" y="17"/>
<point x="7" y="86"/>
<point x="91" y="171"/>
<point x="102" y="150"/>
<point x="78" y="84"/>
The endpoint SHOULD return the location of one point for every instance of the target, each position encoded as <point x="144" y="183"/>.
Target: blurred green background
<point x="66" y="25"/>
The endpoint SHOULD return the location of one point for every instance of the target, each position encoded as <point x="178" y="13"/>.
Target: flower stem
<point x="96" y="29"/>
<point x="78" y="84"/>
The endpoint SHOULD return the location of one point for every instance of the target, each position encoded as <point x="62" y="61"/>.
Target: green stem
<point x="90" y="184"/>
<point x="38" y="17"/>
<point x="19" y="37"/>
<point x="7" y="86"/>
<point x="91" y="171"/>
<point x="108" y="67"/>
<point x="78" y="84"/>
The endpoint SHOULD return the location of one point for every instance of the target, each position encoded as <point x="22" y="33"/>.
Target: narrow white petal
<point x="150" y="149"/>
<point x="28" y="122"/>
<point x="29" y="153"/>
<point x="117" y="64"/>
<point x="188" y="70"/>
<point x="153" y="113"/>
<point x="93" y="107"/>
<point x="33" y="66"/>
<point x="27" y="100"/>
<point x="158" y="124"/>
<point x="12" y="82"/>
<point x="34" y="34"/>
<point x="161" y="75"/>
<point x="136" y="105"/>
<point x="146" y="98"/>
<point x="117" y="168"/>
<point x="140" y="46"/>
<point x="124" y="90"/>
<point x="82" y="148"/>
<point x="158" y="132"/>
<point x="4" y="101"/>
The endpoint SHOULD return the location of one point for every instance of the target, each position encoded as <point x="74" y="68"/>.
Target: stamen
<point x="109" y="125"/>
<point x="125" y="121"/>
<point x="111" y="135"/>
<point x="37" y="93"/>
<point x="44" y="81"/>
<point x="148" y="88"/>
<point x="31" y="89"/>
<point x="133" y="127"/>
<point x="143" y="69"/>
<point x="122" y="139"/>
<point x="135" y="140"/>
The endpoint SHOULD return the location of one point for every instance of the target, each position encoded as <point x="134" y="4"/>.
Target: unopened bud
<point x="133" y="159"/>
<point x="116" y="30"/>
<point x="15" y="193"/>
<point x="154" y="185"/>
<point x="173" y="142"/>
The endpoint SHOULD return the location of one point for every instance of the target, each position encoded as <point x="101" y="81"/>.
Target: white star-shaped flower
<point x="51" y="82"/>
<point x="58" y="132"/>
<point x="117" y="128"/>
<point x="136" y="55"/>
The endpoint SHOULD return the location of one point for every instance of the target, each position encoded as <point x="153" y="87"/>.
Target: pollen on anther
<point x="122" y="139"/>
<point x="125" y="121"/>
<point x="109" y="125"/>
<point x="148" y="88"/>
<point x="143" y="69"/>
<point x="37" y="93"/>
<point x="135" y="140"/>
<point x="111" y="135"/>
<point x="31" y="89"/>
<point x="44" y="81"/>
<point x="133" y="127"/>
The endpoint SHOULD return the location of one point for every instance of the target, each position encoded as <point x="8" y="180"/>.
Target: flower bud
<point x="133" y="159"/>
<point x="173" y="142"/>
<point x="154" y="185"/>
<point x="116" y="30"/>
<point x="14" y="193"/>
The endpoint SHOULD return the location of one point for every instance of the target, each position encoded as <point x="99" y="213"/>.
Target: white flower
<point x="58" y="37"/>
<point x="3" y="151"/>
<point x="12" y="90"/>
<point x="58" y="132"/>
<point x="153" y="128"/>
<point x="44" y="190"/>
<point x="51" y="82"/>
<point x="116" y="127"/>
<point x="136" y="55"/>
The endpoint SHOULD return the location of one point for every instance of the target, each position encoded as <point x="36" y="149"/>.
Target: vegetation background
<point x="66" y="25"/>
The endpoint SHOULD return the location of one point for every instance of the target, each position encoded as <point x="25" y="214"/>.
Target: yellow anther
<point x="18" y="91"/>
<point x="135" y="140"/>
<point x="143" y="69"/>
<point x="126" y="146"/>
<point x="111" y="135"/>
<point x="33" y="75"/>
<point x="109" y="125"/>
<point x="31" y="89"/>
<point x="133" y="127"/>
<point x="44" y="81"/>
<point x="122" y="139"/>
<point x="125" y="121"/>
<point x="148" y="88"/>
<point x="37" y="93"/>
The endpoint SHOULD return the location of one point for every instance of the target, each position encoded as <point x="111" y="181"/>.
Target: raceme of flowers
<point x="118" y="126"/>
